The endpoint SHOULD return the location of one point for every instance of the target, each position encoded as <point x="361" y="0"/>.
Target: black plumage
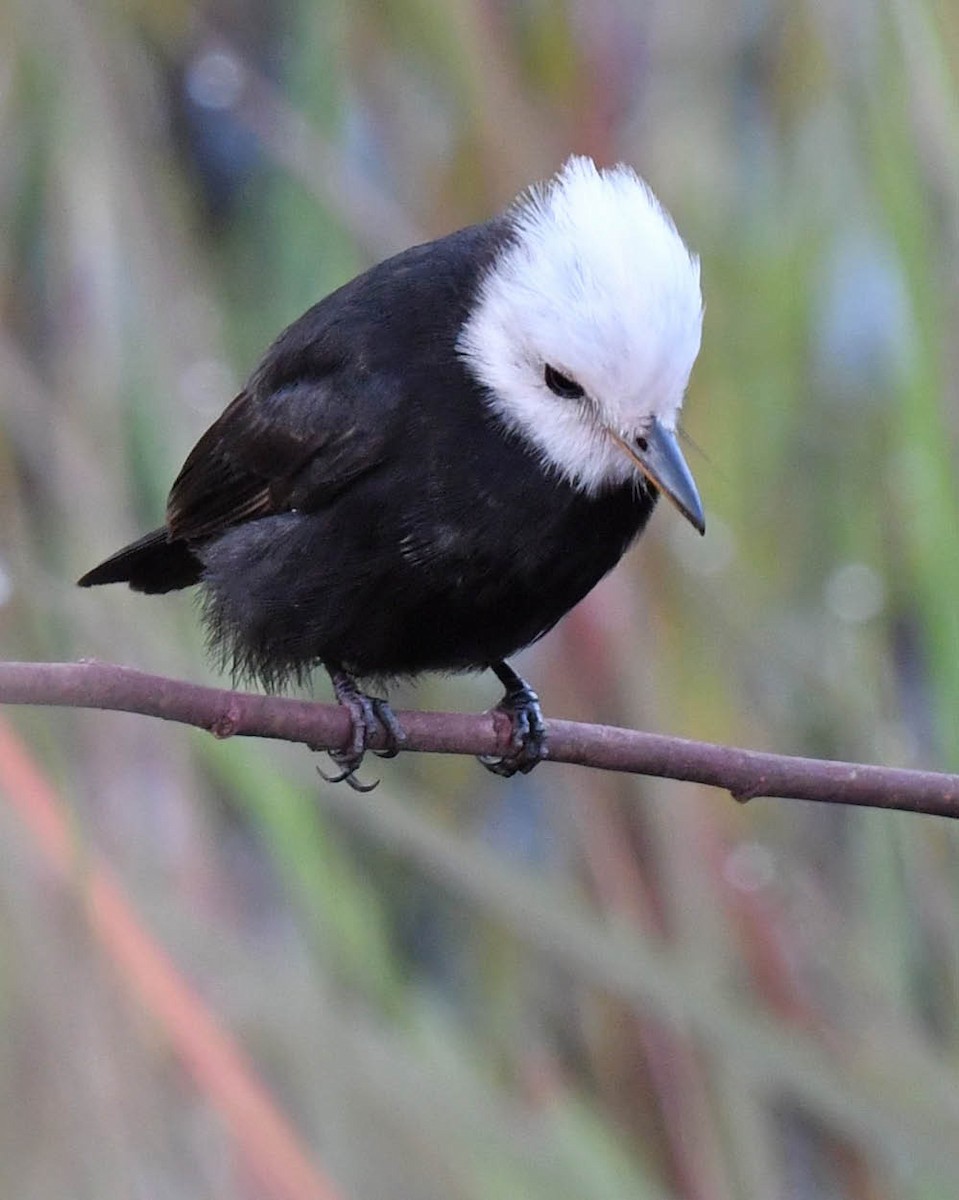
<point x="360" y="505"/>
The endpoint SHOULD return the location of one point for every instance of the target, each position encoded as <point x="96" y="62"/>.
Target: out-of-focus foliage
<point x="571" y="984"/>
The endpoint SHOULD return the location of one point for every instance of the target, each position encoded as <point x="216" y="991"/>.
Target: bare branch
<point x="745" y="773"/>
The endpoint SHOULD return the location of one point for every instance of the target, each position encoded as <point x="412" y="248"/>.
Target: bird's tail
<point x="153" y="563"/>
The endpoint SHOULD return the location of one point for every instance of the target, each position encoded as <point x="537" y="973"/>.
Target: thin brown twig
<point x="744" y="773"/>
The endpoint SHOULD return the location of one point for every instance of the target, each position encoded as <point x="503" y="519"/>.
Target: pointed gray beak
<point x="660" y="459"/>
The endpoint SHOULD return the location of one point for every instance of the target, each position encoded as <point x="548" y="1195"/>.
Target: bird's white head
<point x="586" y="329"/>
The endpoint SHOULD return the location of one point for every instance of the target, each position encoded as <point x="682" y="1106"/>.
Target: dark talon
<point x="528" y="738"/>
<point x="349" y="778"/>
<point x="394" y="732"/>
<point x="366" y="714"/>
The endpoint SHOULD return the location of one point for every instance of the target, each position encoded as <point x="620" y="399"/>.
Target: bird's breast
<point x="473" y="584"/>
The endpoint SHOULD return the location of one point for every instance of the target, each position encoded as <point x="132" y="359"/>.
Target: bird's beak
<point x="660" y="459"/>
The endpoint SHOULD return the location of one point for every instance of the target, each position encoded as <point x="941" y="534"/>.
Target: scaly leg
<point x="528" y="742"/>
<point x="366" y="713"/>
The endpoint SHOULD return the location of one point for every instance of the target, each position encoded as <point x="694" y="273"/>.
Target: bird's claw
<point x="347" y="775"/>
<point x="367" y="713"/>
<point x="527" y="745"/>
<point x="393" y="731"/>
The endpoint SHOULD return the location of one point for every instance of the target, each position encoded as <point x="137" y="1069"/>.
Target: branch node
<point x="503" y="728"/>
<point x="742" y="795"/>
<point x="226" y="723"/>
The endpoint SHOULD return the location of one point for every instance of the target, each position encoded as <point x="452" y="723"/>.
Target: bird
<point x="431" y="466"/>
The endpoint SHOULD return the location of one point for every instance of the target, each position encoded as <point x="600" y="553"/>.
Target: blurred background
<point x="220" y="976"/>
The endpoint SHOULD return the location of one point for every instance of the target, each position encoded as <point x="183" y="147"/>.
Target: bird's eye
<point x="561" y="385"/>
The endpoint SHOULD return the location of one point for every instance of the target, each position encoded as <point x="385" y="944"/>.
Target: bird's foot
<point x="528" y="737"/>
<point x="367" y="714"/>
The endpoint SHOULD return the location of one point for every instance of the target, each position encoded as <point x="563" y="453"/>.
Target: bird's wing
<point x="294" y="448"/>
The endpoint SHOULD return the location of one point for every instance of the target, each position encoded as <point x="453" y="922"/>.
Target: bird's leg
<point x="528" y="740"/>
<point x="366" y="713"/>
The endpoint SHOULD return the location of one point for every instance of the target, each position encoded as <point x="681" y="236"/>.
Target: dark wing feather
<point x="296" y="447"/>
<point x="152" y="563"/>
<point x="322" y="408"/>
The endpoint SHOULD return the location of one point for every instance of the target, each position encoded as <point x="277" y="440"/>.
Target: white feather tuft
<point x="598" y="284"/>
